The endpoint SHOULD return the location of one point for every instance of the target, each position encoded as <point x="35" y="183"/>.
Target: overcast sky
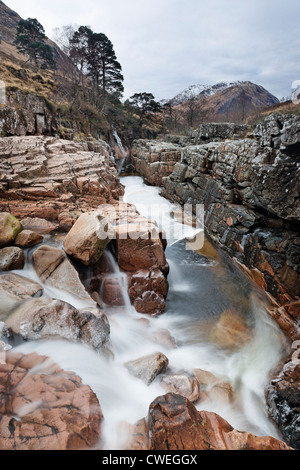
<point x="166" y="45"/>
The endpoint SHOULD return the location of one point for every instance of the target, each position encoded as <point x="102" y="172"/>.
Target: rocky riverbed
<point x="71" y="275"/>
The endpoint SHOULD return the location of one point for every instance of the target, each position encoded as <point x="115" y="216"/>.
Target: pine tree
<point x="30" y="40"/>
<point x="144" y="103"/>
<point x="79" y="47"/>
<point x="103" y="67"/>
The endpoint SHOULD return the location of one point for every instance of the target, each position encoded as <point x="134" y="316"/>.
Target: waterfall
<point x="121" y="282"/>
<point x="121" y="148"/>
<point x="108" y="147"/>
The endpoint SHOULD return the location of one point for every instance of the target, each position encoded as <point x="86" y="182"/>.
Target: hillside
<point x="9" y="20"/>
<point x="223" y="102"/>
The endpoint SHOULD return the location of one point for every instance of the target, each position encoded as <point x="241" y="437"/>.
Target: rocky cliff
<point x="249" y="186"/>
<point x="250" y="190"/>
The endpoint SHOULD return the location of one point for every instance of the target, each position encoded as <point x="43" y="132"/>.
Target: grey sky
<point x="166" y="45"/>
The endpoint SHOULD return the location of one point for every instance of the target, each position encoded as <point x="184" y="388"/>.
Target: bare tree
<point x="62" y="36"/>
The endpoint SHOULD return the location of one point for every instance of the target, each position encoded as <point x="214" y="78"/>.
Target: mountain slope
<point x="9" y="20"/>
<point x="224" y="102"/>
<point x="199" y="91"/>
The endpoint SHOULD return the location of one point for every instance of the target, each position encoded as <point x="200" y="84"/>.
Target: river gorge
<point x="179" y="322"/>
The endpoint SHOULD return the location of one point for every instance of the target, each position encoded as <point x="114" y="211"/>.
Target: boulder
<point x="15" y="288"/>
<point x="183" y="385"/>
<point x="136" y="250"/>
<point x="11" y="258"/>
<point x="47" y="409"/>
<point x="139" y="246"/>
<point x="174" y="424"/>
<point x="54" y="269"/>
<point x="88" y="238"/>
<point x="147" y="368"/>
<point x="213" y="388"/>
<point x="28" y="238"/>
<point x="44" y="318"/>
<point x="9" y="228"/>
<point x="148" y="291"/>
<point x="38" y="225"/>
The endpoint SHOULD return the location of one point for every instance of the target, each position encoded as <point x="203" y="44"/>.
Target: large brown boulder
<point x="175" y="424"/>
<point x="148" y="290"/>
<point x="45" y="408"/>
<point x="28" y="238"/>
<point x="138" y="251"/>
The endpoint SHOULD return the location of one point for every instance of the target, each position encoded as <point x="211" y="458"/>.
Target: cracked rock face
<point x="283" y="396"/>
<point x="45" y="408"/>
<point x="55" y="179"/>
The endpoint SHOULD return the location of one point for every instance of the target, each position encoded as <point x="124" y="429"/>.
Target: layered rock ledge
<point x="55" y="179"/>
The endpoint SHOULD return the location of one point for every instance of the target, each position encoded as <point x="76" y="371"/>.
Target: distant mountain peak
<point x="230" y="101"/>
<point x="200" y="91"/>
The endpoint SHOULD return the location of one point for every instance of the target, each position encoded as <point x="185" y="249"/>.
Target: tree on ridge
<point x="31" y="41"/>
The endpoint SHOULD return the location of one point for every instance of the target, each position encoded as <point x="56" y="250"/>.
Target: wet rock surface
<point x="174" y="424"/>
<point x="43" y="318"/>
<point x="137" y="249"/>
<point x="45" y="408"/>
<point x="54" y="269"/>
<point x="147" y="368"/>
<point x="16" y="288"/>
<point x="283" y="397"/>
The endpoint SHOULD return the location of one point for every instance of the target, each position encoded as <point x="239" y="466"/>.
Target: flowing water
<point x="202" y="285"/>
<point x="122" y="150"/>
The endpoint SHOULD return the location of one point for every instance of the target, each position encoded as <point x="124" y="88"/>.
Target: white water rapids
<point x="200" y="289"/>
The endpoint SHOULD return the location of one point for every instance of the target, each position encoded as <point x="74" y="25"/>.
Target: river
<point x="202" y="284"/>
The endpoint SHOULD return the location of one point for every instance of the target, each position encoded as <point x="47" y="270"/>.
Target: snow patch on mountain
<point x="198" y="91"/>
